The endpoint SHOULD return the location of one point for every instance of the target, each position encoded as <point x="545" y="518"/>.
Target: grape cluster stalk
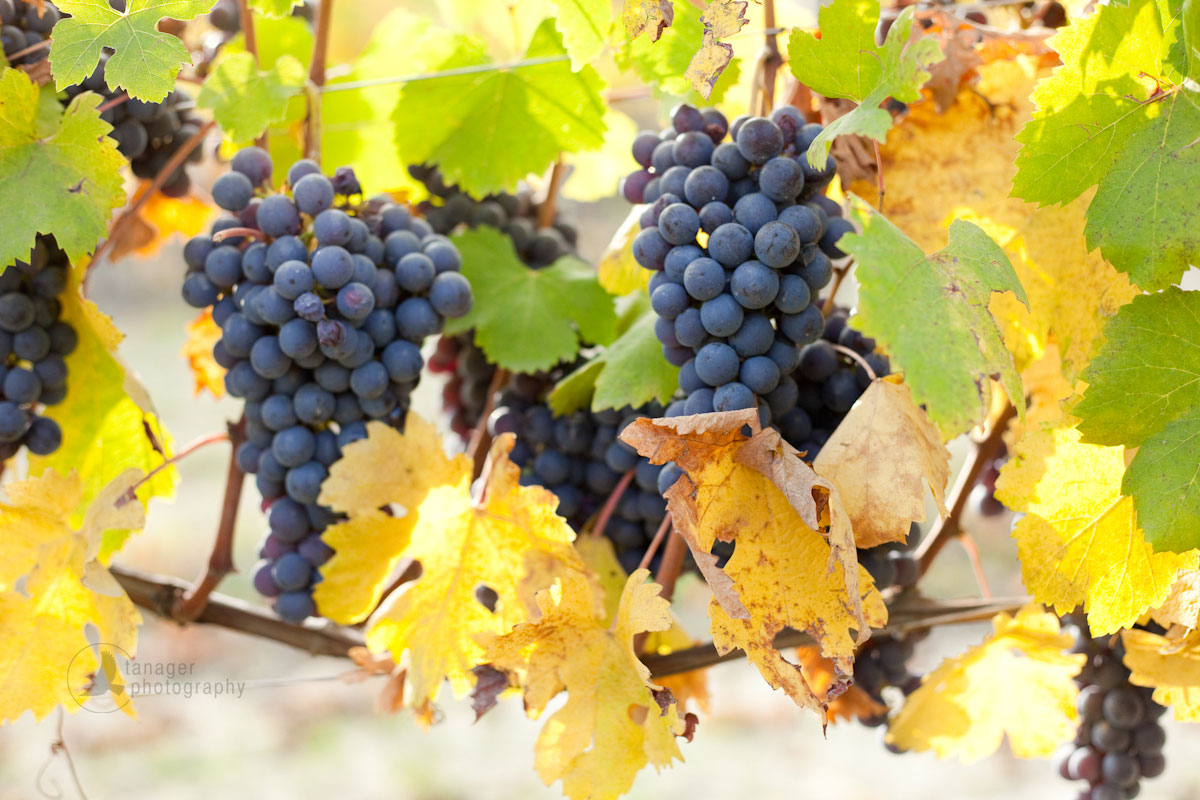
<point x="324" y="302"/>
<point x="1120" y="739"/>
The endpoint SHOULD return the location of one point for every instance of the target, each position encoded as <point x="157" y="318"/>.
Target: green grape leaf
<point x="585" y="26"/>
<point x="144" y="61"/>
<point x="647" y="16"/>
<point x="846" y="62"/>
<point x="275" y="38"/>
<point x="1191" y="36"/>
<point x="274" y="9"/>
<point x="370" y="141"/>
<point x="930" y="315"/>
<point x="62" y="174"/>
<point x="1147" y="373"/>
<point x="630" y="371"/>
<point x="488" y="130"/>
<point x="244" y="99"/>
<point x="107" y="420"/>
<point x="664" y="63"/>
<point x="1164" y="481"/>
<point x="1117" y="115"/>
<point x="530" y="319"/>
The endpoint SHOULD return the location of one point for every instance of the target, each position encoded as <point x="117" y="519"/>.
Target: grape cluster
<point x="515" y="215"/>
<point x="34" y="342"/>
<point x="893" y="564"/>
<point x="882" y="664"/>
<point x="323" y="306"/>
<point x="579" y="457"/>
<point x="148" y="134"/>
<point x="1120" y="740"/>
<point x="740" y="239"/>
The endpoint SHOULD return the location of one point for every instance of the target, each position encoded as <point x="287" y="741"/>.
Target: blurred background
<point x="301" y="730"/>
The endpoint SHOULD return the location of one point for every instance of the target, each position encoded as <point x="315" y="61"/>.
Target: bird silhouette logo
<point x="100" y="690"/>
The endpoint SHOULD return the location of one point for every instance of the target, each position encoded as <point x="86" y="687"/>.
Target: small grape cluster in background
<point x="34" y="342"/>
<point x="323" y="304"/>
<point x="1120" y="740"/>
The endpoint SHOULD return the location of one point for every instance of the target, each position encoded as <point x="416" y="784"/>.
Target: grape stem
<point x="200" y="443"/>
<point x="131" y="211"/>
<point x="548" y="208"/>
<point x="769" y="61"/>
<point x="112" y="103"/>
<point x="33" y="48"/>
<point x="480" y="441"/>
<point x="316" y="81"/>
<point x="159" y="594"/>
<point x="672" y="562"/>
<point x="253" y="233"/>
<point x="879" y="175"/>
<point x="839" y="275"/>
<point x="862" y="362"/>
<point x="984" y="452"/>
<point x="610" y="504"/>
<point x="59" y="748"/>
<point x="191" y="603"/>
<point x="972" y="550"/>
<point x="659" y="535"/>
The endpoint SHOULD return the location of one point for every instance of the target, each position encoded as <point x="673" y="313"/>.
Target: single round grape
<point x="254" y="163"/>
<point x="722" y="316"/>
<point x="291" y="572"/>
<point x="293" y="446"/>
<point x="803" y="221"/>
<point x="776" y="244"/>
<point x="729" y="161"/>
<point x="43" y="437"/>
<point x="678" y="259"/>
<point x="232" y="191"/>
<point x="277" y="216"/>
<point x="370" y="380"/>
<point x="333" y="226"/>
<point x="759" y="140"/>
<point x="22" y="386"/>
<point x="302" y="168"/>
<point x="686" y="118"/>
<point x="689" y="328"/>
<point x="663" y="157"/>
<point x="705" y="185"/>
<point x="650" y="248"/>
<point x="295" y="606"/>
<point x="803" y="328"/>
<point x="704" y="279"/>
<point x="716" y="364"/>
<point x="754" y="211"/>
<point x="1123" y="708"/>
<point x="1149" y="737"/>
<point x="754" y="285"/>
<point x="198" y="292"/>
<point x="818" y="361"/>
<point x="781" y="179"/>
<point x="678" y="224"/>
<point x="669" y="300"/>
<point x="355" y="301"/>
<point x="292" y="279"/>
<point x="693" y="149"/>
<point x="14" y="421"/>
<point x="288" y="520"/>
<point x="674" y="180"/>
<point x="730" y="244"/>
<point x="713" y="215"/>
<point x="760" y="374"/>
<point x="451" y="295"/>
<point x="754" y="337"/>
<point x="833" y="233"/>
<point x="416" y="319"/>
<point x="268" y="359"/>
<point x="303" y="483"/>
<point x="643" y="147"/>
<point x="699" y="402"/>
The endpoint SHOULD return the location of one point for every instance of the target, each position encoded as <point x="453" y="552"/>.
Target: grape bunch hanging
<point x="323" y="304"/>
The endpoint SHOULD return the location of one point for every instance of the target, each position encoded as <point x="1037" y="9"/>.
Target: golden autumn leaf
<point x="463" y="543"/>
<point x="880" y="457"/>
<point x="615" y="721"/>
<point x="598" y="554"/>
<point x="959" y="164"/>
<point x="1170" y="665"/>
<point x="731" y="491"/>
<point x="1079" y="542"/>
<point x="168" y="216"/>
<point x="1182" y="606"/>
<point x="388" y="467"/>
<point x="853" y="703"/>
<point x="968" y="704"/>
<point x="53" y="585"/>
<point x="202" y="334"/>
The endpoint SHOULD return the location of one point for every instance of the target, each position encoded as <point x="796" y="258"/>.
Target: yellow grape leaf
<point x="1079" y="542"/>
<point x="108" y="422"/>
<point x="52" y="585"/>
<point x="615" y="721"/>
<point x="1018" y="682"/>
<point x="757" y="492"/>
<point x="618" y="271"/>
<point x="651" y="17"/>
<point x="1171" y="666"/>
<point x="1046" y="390"/>
<point x="598" y="554"/>
<point x="388" y="467"/>
<point x="1182" y="606"/>
<point x="463" y="543"/>
<point x="202" y="334"/>
<point x="960" y="164"/>
<point x="880" y="457"/>
<point x="853" y="703"/>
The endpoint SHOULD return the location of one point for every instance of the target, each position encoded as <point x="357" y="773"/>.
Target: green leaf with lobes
<point x="1144" y="391"/>
<point x="585" y="26"/>
<point x="930" y="314"/>
<point x="845" y="62"/>
<point x="244" y="99"/>
<point x="64" y="172"/>
<point x="530" y="319"/>
<point x="144" y="60"/>
<point x="1118" y="116"/>
<point x="487" y="130"/>
<point x="1191" y="37"/>
<point x="630" y="371"/>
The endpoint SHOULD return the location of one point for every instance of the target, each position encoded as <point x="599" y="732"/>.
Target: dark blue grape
<point x="760" y="373"/>
<point x="753" y="211"/>
<point x="232" y="191"/>
<point x="669" y="300"/>
<point x="277" y="216"/>
<point x="693" y="149"/>
<point x="674" y="180"/>
<point x="754" y="285"/>
<point x="43" y="437"/>
<point x="291" y="572"/>
<point x="705" y="185"/>
<point x="277" y="412"/>
<point x="732" y="397"/>
<point x="283" y="249"/>
<point x="332" y="267"/>
<point x="817" y="272"/>
<point x="242" y="381"/>
<point x="663" y="157"/>
<point x="781" y="179"/>
<point x="776" y="244"/>
<point x="722" y="315"/>
<point x="730" y="244"/>
<point x="292" y="279"/>
<point x="699" y="402"/>
<point x="803" y="328"/>
<point x="716" y="363"/>
<point x="650" y="248"/>
<point x="14" y="421"/>
<point x="678" y="259"/>
<point x="783" y="397"/>
<point x="818" y="361"/>
<point x="196" y="250"/>
<point x="288" y="520"/>
<point x="224" y="266"/>
<point x="794" y="294"/>
<point x="370" y="380"/>
<point x="759" y="140"/>
<point x="795" y="425"/>
<point x="403" y="361"/>
<point x="837" y="228"/>
<point x="355" y="301"/>
<point x="686" y="118"/>
<point x="678" y="224"/>
<point x="714" y="215"/>
<point x="803" y="221"/>
<point x="643" y="147"/>
<point x="198" y="292"/>
<point x="729" y="160"/>
<point x="303" y="167"/>
<point x="704" y="279"/>
<point x="689" y="328"/>
<point x="309" y="306"/>
<point x="293" y="446"/>
<point x="416" y="319"/>
<point x="806" y="134"/>
<point x="451" y="295"/>
<point x="268" y="358"/>
<point x="254" y="163"/>
<point x="840" y="391"/>
<point x="333" y="226"/>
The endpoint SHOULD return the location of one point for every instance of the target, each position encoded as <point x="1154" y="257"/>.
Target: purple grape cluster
<point x="34" y="343"/>
<point x="324" y="302"/>
<point x="740" y="238"/>
<point x="1120" y="739"/>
